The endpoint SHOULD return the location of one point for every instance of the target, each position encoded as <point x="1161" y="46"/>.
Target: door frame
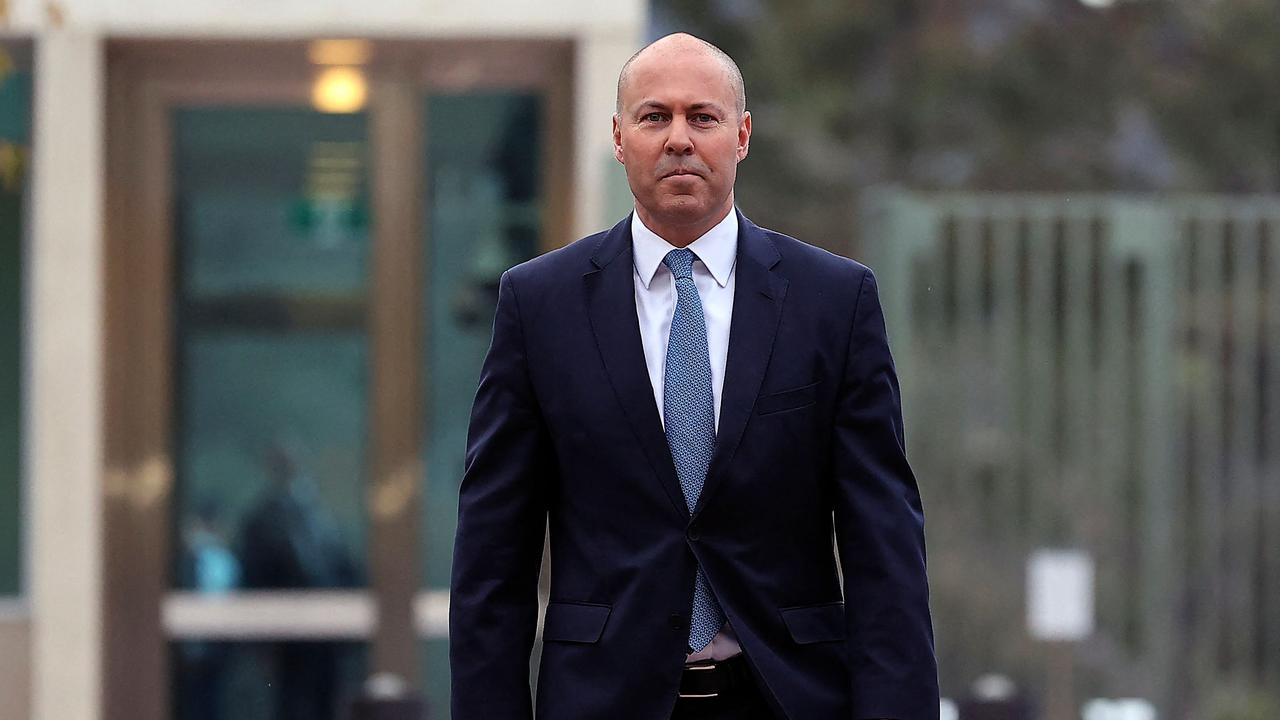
<point x="146" y="81"/>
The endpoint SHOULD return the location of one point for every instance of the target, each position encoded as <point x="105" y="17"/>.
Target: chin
<point x="684" y="206"/>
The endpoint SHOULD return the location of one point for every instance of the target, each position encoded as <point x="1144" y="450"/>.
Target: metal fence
<point x="1102" y="373"/>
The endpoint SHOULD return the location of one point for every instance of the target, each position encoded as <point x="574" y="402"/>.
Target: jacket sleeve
<point x="879" y="525"/>
<point x="501" y="526"/>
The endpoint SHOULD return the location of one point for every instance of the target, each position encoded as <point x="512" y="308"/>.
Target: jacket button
<point x="676" y="621"/>
<point x="692" y="533"/>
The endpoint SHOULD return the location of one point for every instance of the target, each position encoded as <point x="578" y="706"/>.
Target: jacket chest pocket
<point x="793" y="399"/>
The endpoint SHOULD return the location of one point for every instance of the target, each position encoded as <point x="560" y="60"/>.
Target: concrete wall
<point x="242" y="18"/>
<point x="64" y="412"/>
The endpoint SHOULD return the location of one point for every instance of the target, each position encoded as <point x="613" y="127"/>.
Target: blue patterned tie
<point x="688" y="409"/>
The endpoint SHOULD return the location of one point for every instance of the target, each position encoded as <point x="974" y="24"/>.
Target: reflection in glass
<point x="272" y="374"/>
<point x="484" y="215"/>
<point x="272" y="457"/>
<point x="15" y="111"/>
<point x="266" y="680"/>
<point x="272" y="204"/>
<point x="289" y="539"/>
<point x="271" y="392"/>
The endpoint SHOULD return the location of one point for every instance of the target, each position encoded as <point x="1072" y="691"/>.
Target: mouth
<point x="681" y="172"/>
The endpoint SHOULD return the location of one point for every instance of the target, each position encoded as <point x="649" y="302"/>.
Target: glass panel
<point x="15" y="114"/>
<point x="266" y="681"/>
<point x="434" y="654"/>
<point x="272" y="202"/>
<point x="272" y="377"/>
<point x="484" y="213"/>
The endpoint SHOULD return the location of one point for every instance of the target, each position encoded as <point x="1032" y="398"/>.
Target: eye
<point x="652" y="117"/>
<point x="704" y="119"/>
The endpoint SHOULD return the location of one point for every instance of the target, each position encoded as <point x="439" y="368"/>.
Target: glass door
<point x="272" y="376"/>
<point x="484" y="213"/>
<point x="495" y="156"/>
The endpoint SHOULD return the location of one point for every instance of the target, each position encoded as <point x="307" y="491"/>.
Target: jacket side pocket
<point x="574" y="622"/>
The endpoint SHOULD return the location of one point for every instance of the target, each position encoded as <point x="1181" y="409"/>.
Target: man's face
<point x="680" y="137"/>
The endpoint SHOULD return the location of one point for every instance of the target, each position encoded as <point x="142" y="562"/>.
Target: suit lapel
<point x="757" y="308"/>
<point x="611" y="304"/>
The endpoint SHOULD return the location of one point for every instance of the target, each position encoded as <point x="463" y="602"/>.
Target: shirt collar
<point x="717" y="248"/>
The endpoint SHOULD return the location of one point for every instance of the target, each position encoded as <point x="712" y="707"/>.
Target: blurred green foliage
<point x="1241" y="704"/>
<point x="1006" y="95"/>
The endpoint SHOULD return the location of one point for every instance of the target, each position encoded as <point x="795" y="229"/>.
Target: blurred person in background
<point x="207" y="567"/>
<point x="690" y="400"/>
<point x="290" y="541"/>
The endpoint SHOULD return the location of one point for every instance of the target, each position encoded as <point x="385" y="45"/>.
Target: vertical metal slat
<point x="1208" y="441"/>
<point x="971" y="343"/>
<point x="1244" y="497"/>
<point x="1041" y="361"/>
<point x="1004" y="345"/>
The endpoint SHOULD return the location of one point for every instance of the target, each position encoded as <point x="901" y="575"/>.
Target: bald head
<point x="685" y="43"/>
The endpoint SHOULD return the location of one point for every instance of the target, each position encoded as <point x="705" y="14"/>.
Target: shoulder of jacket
<point x="816" y="261"/>
<point x="554" y="266"/>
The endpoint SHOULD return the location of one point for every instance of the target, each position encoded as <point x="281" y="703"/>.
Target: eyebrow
<point x="693" y="107"/>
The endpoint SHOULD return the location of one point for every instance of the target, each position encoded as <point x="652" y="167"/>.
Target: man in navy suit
<point x="691" y="406"/>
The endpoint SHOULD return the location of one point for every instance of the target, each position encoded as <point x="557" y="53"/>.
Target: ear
<point x="744" y="135"/>
<point x="617" y="139"/>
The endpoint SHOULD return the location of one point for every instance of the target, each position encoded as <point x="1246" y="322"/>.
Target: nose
<point x="678" y="140"/>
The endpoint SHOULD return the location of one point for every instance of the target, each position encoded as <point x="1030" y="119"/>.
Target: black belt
<point x="713" y="679"/>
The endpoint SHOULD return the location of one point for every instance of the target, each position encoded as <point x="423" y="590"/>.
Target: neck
<point x="683" y="234"/>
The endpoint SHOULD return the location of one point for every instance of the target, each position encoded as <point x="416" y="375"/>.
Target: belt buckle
<point x="702" y="696"/>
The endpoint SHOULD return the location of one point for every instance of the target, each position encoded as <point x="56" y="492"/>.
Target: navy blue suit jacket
<point x="565" y="436"/>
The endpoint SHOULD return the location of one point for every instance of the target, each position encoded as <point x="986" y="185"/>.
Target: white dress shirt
<point x="716" y="252"/>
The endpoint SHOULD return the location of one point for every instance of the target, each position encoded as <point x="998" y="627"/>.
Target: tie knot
<point x="680" y="261"/>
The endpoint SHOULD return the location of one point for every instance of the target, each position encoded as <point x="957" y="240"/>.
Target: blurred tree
<point x="1243" y="704"/>
<point x="1214" y="84"/>
<point x="1012" y="95"/>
